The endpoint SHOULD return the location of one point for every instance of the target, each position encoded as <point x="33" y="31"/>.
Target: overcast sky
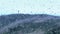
<point x="28" y="6"/>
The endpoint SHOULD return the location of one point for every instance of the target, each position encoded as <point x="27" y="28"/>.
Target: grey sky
<point x="26" y="6"/>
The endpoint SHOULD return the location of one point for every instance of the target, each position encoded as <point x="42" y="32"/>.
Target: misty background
<point x="51" y="7"/>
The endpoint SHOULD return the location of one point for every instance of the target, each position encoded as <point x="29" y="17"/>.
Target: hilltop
<point x="29" y="24"/>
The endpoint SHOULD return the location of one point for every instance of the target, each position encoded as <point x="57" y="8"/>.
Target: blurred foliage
<point x="49" y="26"/>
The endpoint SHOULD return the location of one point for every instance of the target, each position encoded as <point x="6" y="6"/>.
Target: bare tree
<point x="18" y="11"/>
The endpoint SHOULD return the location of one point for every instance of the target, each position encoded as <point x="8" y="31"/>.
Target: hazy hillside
<point x="29" y="24"/>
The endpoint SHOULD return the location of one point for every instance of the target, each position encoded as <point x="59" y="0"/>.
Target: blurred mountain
<point x="29" y="24"/>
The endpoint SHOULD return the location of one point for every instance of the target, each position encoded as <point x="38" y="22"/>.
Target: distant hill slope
<point x="29" y="24"/>
<point x="6" y="19"/>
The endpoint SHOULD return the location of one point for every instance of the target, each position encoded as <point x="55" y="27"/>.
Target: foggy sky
<point x="30" y="6"/>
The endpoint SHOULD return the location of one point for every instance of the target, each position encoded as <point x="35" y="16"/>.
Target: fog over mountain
<point x="29" y="24"/>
